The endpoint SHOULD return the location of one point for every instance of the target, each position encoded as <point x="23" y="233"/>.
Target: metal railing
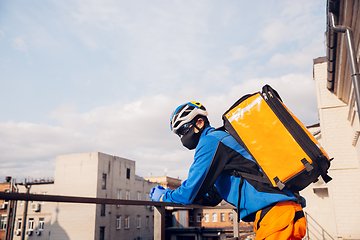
<point x="159" y="207"/>
<point x="314" y="230"/>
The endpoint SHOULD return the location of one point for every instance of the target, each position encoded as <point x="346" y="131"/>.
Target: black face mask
<point x="191" y="139"/>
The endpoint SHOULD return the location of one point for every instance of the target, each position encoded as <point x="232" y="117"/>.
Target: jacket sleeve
<point x="211" y="198"/>
<point x="204" y="154"/>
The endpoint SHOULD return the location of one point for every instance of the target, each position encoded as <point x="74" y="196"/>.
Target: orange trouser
<point x="283" y="221"/>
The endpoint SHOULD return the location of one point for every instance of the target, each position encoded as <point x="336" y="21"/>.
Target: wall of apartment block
<point x="337" y="136"/>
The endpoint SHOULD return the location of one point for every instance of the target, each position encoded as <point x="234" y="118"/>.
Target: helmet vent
<point x="178" y="111"/>
<point x="176" y="124"/>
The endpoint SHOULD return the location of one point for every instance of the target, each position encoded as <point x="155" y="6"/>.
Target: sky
<point x="81" y="76"/>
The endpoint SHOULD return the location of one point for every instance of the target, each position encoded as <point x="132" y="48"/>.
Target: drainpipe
<point x="12" y="224"/>
<point x="23" y="224"/>
<point x="355" y="75"/>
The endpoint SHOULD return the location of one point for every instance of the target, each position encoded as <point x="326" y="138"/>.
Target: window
<point x="102" y="212"/>
<point x="3" y="220"/>
<point x="191" y="218"/>
<point x="19" y="222"/>
<point x="138" y="195"/>
<point x="119" y="196"/>
<point x="103" y="183"/>
<point x="147" y="221"/>
<point x="214" y="217"/>
<point x="127" y="195"/>
<point x="198" y="217"/>
<point x="230" y="217"/>
<point x="127" y="222"/>
<point x="118" y="222"/>
<point x="138" y="221"/>
<point x="41" y="224"/>
<point x="222" y="216"/>
<point x="128" y="173"/>
<point x="31" y="224"/>
<point x="206" y="217"/>
<point x="102" y="233"/>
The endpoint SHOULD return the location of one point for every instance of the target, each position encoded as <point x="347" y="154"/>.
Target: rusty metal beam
<point x="86" y="200"/>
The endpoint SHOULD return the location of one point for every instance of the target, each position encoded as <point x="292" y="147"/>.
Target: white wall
<point x="344" y="189"/>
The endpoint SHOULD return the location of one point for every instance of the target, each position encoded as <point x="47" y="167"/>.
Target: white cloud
<point x="299" y="58"/>
<point x="137" y="61"/>
<point x="138" y="130"/>
<point x="19" y="43"/>
<point x="273" y="34"/>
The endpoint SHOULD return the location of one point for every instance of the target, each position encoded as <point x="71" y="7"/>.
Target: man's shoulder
<point x="219" y="135"/>
<point x="216" y="135"/>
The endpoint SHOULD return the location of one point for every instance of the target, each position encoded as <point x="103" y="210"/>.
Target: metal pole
<point x="13" y="212"/>
<point x="353" y="66"/>
<point x="235" y="223"/>
<point x="159" y="222"/>
<point x="307" y="226"/>
<point x="13" y="215"/>
<point x="23" y="226"/>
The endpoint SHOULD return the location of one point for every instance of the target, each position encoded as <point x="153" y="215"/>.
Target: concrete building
<point x="335" y="206"/>
<point x="206" y="223"/>
<point x="89" y="175"/>
<point x="165" y="181"/>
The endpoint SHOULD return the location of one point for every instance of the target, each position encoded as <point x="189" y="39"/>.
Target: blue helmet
<point x="186" y="113"/>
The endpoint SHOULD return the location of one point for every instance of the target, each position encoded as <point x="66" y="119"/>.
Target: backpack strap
<point x="250" y="176"/>
<point x="222" y="128"/>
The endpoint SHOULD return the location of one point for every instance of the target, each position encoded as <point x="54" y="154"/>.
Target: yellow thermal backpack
<point x="286" y="152"/>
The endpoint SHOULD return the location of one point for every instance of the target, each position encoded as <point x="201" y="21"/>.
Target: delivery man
<point x="213" y="176"/>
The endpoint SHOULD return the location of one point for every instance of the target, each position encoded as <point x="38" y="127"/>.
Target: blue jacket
<point x="216" y="156"/>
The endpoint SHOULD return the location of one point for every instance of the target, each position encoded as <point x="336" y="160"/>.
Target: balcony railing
<point x="159" y="207"/>
<point x="314" y="230"/>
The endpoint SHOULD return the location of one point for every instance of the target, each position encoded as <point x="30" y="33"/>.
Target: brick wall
<point x="3" y="187"/>
<point x="337" y="137"/>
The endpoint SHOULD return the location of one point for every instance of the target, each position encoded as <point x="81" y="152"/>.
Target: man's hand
<point x="157" y="192"/>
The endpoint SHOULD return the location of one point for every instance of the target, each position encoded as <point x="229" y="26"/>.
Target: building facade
<point x="205" y="223"/>
<point x="165" y="181"/>
<point x="89" y="175"/>
<point x="336" y="206"/>
<point x="5" y="209"/>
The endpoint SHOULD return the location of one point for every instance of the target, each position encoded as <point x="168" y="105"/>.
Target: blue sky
<point x="85" y="76"/>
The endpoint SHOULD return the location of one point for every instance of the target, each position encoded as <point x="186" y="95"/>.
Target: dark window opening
<point x="102" y="233"/>
<point x="128" y="173"/>
<point x="102" y="213"/>
<point x="103" y="183"/>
